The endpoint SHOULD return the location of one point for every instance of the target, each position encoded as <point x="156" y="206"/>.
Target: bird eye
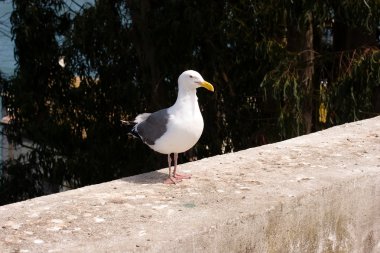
<point x="191" y="76"/>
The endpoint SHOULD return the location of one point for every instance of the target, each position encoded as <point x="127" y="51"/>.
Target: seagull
<point x="175" y="129"/>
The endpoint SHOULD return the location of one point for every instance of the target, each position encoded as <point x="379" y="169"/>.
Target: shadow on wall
<point x="153" y="177"/>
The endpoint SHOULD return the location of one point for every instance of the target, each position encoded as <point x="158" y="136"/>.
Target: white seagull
<point x="175" y="129"/>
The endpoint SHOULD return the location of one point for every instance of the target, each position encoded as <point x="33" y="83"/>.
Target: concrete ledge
<point x="315" y="193"/>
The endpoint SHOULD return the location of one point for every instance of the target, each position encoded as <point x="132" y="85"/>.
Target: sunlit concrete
<point x="315" y="193"/>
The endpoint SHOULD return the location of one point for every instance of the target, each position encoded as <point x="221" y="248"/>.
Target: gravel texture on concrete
<point x="315" y="193"/>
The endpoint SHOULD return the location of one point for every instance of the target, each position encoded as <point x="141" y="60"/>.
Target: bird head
<point x="191" y="79"/>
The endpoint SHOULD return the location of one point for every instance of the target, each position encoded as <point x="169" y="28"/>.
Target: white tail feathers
<point x="141" y="117"/>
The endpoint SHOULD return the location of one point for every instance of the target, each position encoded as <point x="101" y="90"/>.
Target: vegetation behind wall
<point x="280" y="69"/>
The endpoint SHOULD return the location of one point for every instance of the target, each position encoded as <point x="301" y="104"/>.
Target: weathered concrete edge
<point x="350" y="207"/>
<point x="340" y="214"/>
<point x="299" y="224"/>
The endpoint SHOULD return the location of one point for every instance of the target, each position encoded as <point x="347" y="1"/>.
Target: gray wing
<point x="153" y="127"/>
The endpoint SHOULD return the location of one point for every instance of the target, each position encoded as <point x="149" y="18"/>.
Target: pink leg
<point x="171" y="179"/>
<point x="177" y="175"/>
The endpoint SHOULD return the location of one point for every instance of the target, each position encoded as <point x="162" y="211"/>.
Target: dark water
<point x="7" y="62"/>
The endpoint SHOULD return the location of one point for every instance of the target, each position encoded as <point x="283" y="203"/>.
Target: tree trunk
<point x="308" y="73"/>
<point x="302" y="42"/>
<point x="146" y="51"/>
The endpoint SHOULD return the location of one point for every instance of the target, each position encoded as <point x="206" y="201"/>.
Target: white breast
<point x="184" y="128"/>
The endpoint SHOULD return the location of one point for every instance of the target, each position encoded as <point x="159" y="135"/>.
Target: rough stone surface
<point x="314" y="193"/>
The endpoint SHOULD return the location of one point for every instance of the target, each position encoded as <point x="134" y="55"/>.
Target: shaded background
<point x="280" y="69"/>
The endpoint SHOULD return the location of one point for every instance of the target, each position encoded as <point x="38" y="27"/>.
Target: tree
<point x="310" y="72"/>
<point x="275" y="73"/>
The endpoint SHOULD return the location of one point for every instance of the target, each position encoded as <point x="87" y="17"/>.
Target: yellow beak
<point x="207" y="85"/>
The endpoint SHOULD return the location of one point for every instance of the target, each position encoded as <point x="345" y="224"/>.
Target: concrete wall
<point x="315" y="193"/>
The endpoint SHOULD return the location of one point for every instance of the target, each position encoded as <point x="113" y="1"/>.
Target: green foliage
<point x="266" y="59"/>
<point x="352" y="94"/>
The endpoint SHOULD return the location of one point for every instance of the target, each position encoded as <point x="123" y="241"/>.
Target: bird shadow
<point x="152" y="177"/>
